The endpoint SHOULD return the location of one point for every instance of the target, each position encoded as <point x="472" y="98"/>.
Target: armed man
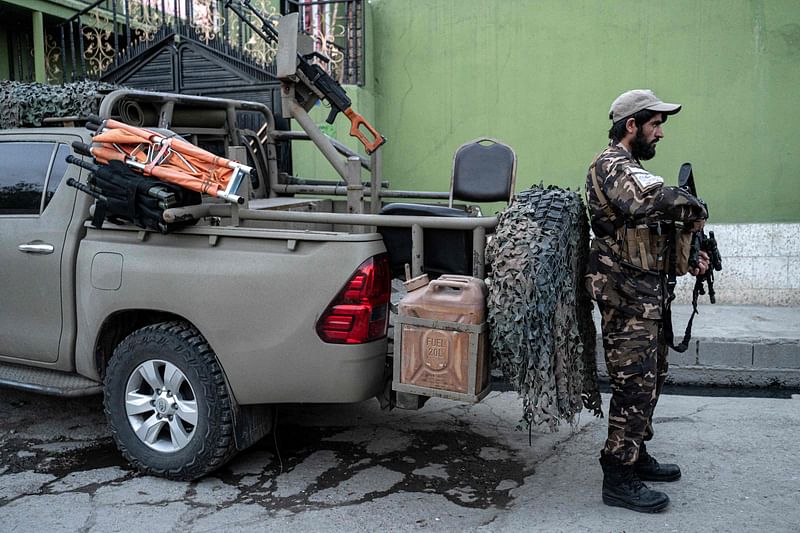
<point x="635" y="219"/>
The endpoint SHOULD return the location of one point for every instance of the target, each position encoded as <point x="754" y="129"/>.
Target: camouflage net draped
<point x="28" y="104"/>
<point x="540" y="317"/>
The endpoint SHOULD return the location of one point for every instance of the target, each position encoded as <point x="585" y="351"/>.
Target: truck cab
<point x="41" y="228"/>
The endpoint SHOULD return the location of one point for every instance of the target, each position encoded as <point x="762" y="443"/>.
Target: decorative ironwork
<point x="336" y="26"/>
<point x="323" y="24"/>
<point x="206" y="20"/>
<point x="107" y="33"/>
<point x="261" y="51"/>
<point x="52" y="61"/>
<point x="147" y="20"/>
<point x="98" y="52"/>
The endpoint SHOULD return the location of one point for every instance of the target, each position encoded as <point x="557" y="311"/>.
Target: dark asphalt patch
<point x="20" y="455"/>
<point x="471" y="481"/>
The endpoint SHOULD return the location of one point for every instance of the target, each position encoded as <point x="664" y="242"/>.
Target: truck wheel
<point x="167" y="402"/>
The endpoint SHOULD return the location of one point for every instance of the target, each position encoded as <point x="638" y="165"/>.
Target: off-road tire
<point x="542" y="334"/>
<point x="211" y="443"/>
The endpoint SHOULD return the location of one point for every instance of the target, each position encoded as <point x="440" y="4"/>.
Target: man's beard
<point x="641" y="149"/>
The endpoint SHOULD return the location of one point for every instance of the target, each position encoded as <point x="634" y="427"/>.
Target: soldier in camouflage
<point x="632" y="213"/>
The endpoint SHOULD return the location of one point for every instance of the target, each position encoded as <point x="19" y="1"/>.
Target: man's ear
<point x="630" y="125"/>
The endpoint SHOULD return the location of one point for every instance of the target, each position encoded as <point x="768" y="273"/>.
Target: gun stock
<point x="356" y="123"/>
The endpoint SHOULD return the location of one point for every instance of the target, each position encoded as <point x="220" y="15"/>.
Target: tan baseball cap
<point x="631" y="102"/>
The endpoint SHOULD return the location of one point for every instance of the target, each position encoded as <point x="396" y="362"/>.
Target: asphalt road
<point x="447" y="467"/>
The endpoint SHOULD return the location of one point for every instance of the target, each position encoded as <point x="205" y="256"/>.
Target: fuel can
<point x="443" y="338"/>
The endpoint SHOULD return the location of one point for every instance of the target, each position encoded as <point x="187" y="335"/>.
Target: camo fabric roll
<point x="27" y="104"/>
<point x="540" y="316"/>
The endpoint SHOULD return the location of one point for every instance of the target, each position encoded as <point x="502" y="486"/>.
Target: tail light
<point x="360" y="312"/>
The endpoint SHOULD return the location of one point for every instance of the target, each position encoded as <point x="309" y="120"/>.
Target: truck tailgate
<point x="254" y="294"/>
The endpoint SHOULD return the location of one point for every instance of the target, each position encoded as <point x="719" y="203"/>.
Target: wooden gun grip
<point x="357" y="121"/>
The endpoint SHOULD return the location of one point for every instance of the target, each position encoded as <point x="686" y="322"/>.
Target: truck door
<point x="33" y="226"/>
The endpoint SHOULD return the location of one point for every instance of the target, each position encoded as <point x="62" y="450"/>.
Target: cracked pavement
<point x="446" y="467"/>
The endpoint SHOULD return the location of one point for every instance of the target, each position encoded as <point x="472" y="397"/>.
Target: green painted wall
<point x="541" y="75"/>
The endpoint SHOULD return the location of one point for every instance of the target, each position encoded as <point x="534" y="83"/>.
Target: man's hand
<point x="702" y="264"/>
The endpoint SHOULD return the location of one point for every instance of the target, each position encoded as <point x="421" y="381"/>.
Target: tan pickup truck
<point x="192" y="335"/>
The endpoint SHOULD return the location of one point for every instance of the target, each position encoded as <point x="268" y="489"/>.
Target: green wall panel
<point x="540" y="75"/>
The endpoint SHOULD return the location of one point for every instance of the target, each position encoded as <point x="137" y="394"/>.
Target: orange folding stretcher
<point x="168" y="158"/>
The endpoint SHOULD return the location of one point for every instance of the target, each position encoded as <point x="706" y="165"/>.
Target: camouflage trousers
<point x="636" y="357"/>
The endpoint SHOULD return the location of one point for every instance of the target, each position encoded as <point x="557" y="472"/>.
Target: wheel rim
<point x="161" y="406"/>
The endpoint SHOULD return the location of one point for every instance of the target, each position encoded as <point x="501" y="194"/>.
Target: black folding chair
<point x="484" y="170"/>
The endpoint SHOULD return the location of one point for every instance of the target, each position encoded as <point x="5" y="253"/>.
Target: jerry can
<point x="442" y="339"/>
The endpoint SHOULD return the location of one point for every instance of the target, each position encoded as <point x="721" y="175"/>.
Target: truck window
<point x="57" y="173"/>
<point x="23" y="175"/>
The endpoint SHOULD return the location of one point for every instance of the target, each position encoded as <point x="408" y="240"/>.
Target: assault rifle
<point x="701" y="241"/>
<point x="314" y="77"/>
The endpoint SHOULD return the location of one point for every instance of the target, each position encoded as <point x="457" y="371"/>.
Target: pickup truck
<point x="191" y="336"/>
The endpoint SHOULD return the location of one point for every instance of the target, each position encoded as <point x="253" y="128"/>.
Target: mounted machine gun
<point x="302" y="80"/>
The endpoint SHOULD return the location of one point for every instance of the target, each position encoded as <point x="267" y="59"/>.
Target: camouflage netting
<point x="540" y="317"/>
<point x="27" y="104"/>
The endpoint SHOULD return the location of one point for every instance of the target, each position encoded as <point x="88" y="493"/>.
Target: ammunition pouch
<point x="642" y="247"/>
<point x="683" y="249"/>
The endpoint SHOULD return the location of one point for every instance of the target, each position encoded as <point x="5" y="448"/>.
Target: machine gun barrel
<point x="267" y="31"/>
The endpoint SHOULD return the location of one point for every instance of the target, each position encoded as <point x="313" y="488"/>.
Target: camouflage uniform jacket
<point x="635" y="196"/>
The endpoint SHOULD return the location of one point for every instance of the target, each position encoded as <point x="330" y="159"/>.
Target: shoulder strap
<point x="598" y="191"/>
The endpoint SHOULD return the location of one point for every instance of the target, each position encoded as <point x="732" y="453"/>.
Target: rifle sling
<point x="598" y="191"/>
<point x="615" y="245"/>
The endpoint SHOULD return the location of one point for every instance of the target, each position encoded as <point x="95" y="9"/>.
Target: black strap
<point x="131" y="212"/>
<point x="668" y="334"/>
<point x="99" y="213"/>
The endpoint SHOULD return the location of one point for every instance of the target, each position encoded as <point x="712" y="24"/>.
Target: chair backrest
<point x="484" y="170"/>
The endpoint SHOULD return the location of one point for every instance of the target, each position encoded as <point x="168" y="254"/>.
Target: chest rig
<point x="639" y="245"/>
<point x="659" y="248"/>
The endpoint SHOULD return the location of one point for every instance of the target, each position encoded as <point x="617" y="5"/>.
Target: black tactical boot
<point x="648" y="469"/>
<point x="623" y="488"/>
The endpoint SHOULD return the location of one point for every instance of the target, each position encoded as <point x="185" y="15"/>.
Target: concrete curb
<point x="730" y="363"/>
<point x="733" y="346"/>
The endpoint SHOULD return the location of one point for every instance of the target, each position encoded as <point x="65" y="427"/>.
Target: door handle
<point x="36" y="247"/>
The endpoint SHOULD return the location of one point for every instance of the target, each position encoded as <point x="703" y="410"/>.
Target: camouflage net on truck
<point x="24" y="105"/>
<point x="540" y="317"/>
